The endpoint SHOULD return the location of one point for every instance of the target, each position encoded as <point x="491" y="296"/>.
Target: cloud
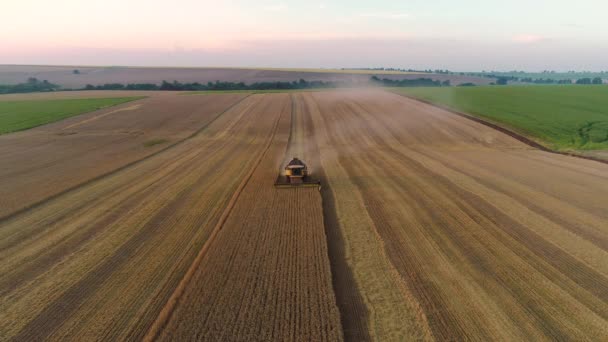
<point x="528" y="38"/>
<point x="392" y="16"/>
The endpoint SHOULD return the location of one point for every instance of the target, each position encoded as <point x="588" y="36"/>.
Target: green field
<point x="568" y="117"/>
<point x="544" y="75"/>
<point x="21" y="115"/>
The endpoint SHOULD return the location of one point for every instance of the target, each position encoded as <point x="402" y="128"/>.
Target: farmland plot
<point x="266" y="276"/>
<point x="100" y="261"/>
<point x="429" y="226"/>
<point x="45" y="161"/>
<point x="489" y="238"/>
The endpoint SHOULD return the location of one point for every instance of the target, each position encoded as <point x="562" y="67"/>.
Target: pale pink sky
<point x="467" y="34"/>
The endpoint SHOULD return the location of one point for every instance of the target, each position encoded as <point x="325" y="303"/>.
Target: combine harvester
<point x="296" y="175"/>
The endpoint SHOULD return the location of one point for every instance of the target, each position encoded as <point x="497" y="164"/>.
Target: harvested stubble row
<point x="486" y="237"/>
<point x="99" y="262"/>
<point x="266" y="275"/>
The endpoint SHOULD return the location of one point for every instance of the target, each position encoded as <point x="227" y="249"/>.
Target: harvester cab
<point x="295" y="174"/>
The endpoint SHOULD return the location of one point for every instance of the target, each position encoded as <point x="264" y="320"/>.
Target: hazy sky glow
<point x="460" y="35"/>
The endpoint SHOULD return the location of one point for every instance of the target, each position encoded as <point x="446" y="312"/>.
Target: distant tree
<point x="76" y="72"/>
<point x="597" y="80"/>
<point x="166" y="86"/>
<point x="446" y="83"/>
<point x="419" y="82"/>
<point x="89" y="87"/>
<point x="585" y="80"/>
<point x="32" y="85"/>
<point x="141" y="86"/>
<point x="468" y="84"/>
<point x="502" y="81"/>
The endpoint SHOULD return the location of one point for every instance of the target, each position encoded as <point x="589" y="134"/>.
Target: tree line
<point x="217" y="85"/>
<point x="418" y="82"/>
<point x="32" y="85"/>
<point x="35" y="85"/>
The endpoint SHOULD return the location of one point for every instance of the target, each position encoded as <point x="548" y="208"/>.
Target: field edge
<point x="510" y="131"/>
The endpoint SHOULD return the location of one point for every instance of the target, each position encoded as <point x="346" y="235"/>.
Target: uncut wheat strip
<point x="250" y="318"/>
<point x="274" y="308"/>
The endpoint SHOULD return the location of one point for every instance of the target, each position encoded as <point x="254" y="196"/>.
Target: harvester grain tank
<point x="295" y="171"/>
<point x="295" y="174"/>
